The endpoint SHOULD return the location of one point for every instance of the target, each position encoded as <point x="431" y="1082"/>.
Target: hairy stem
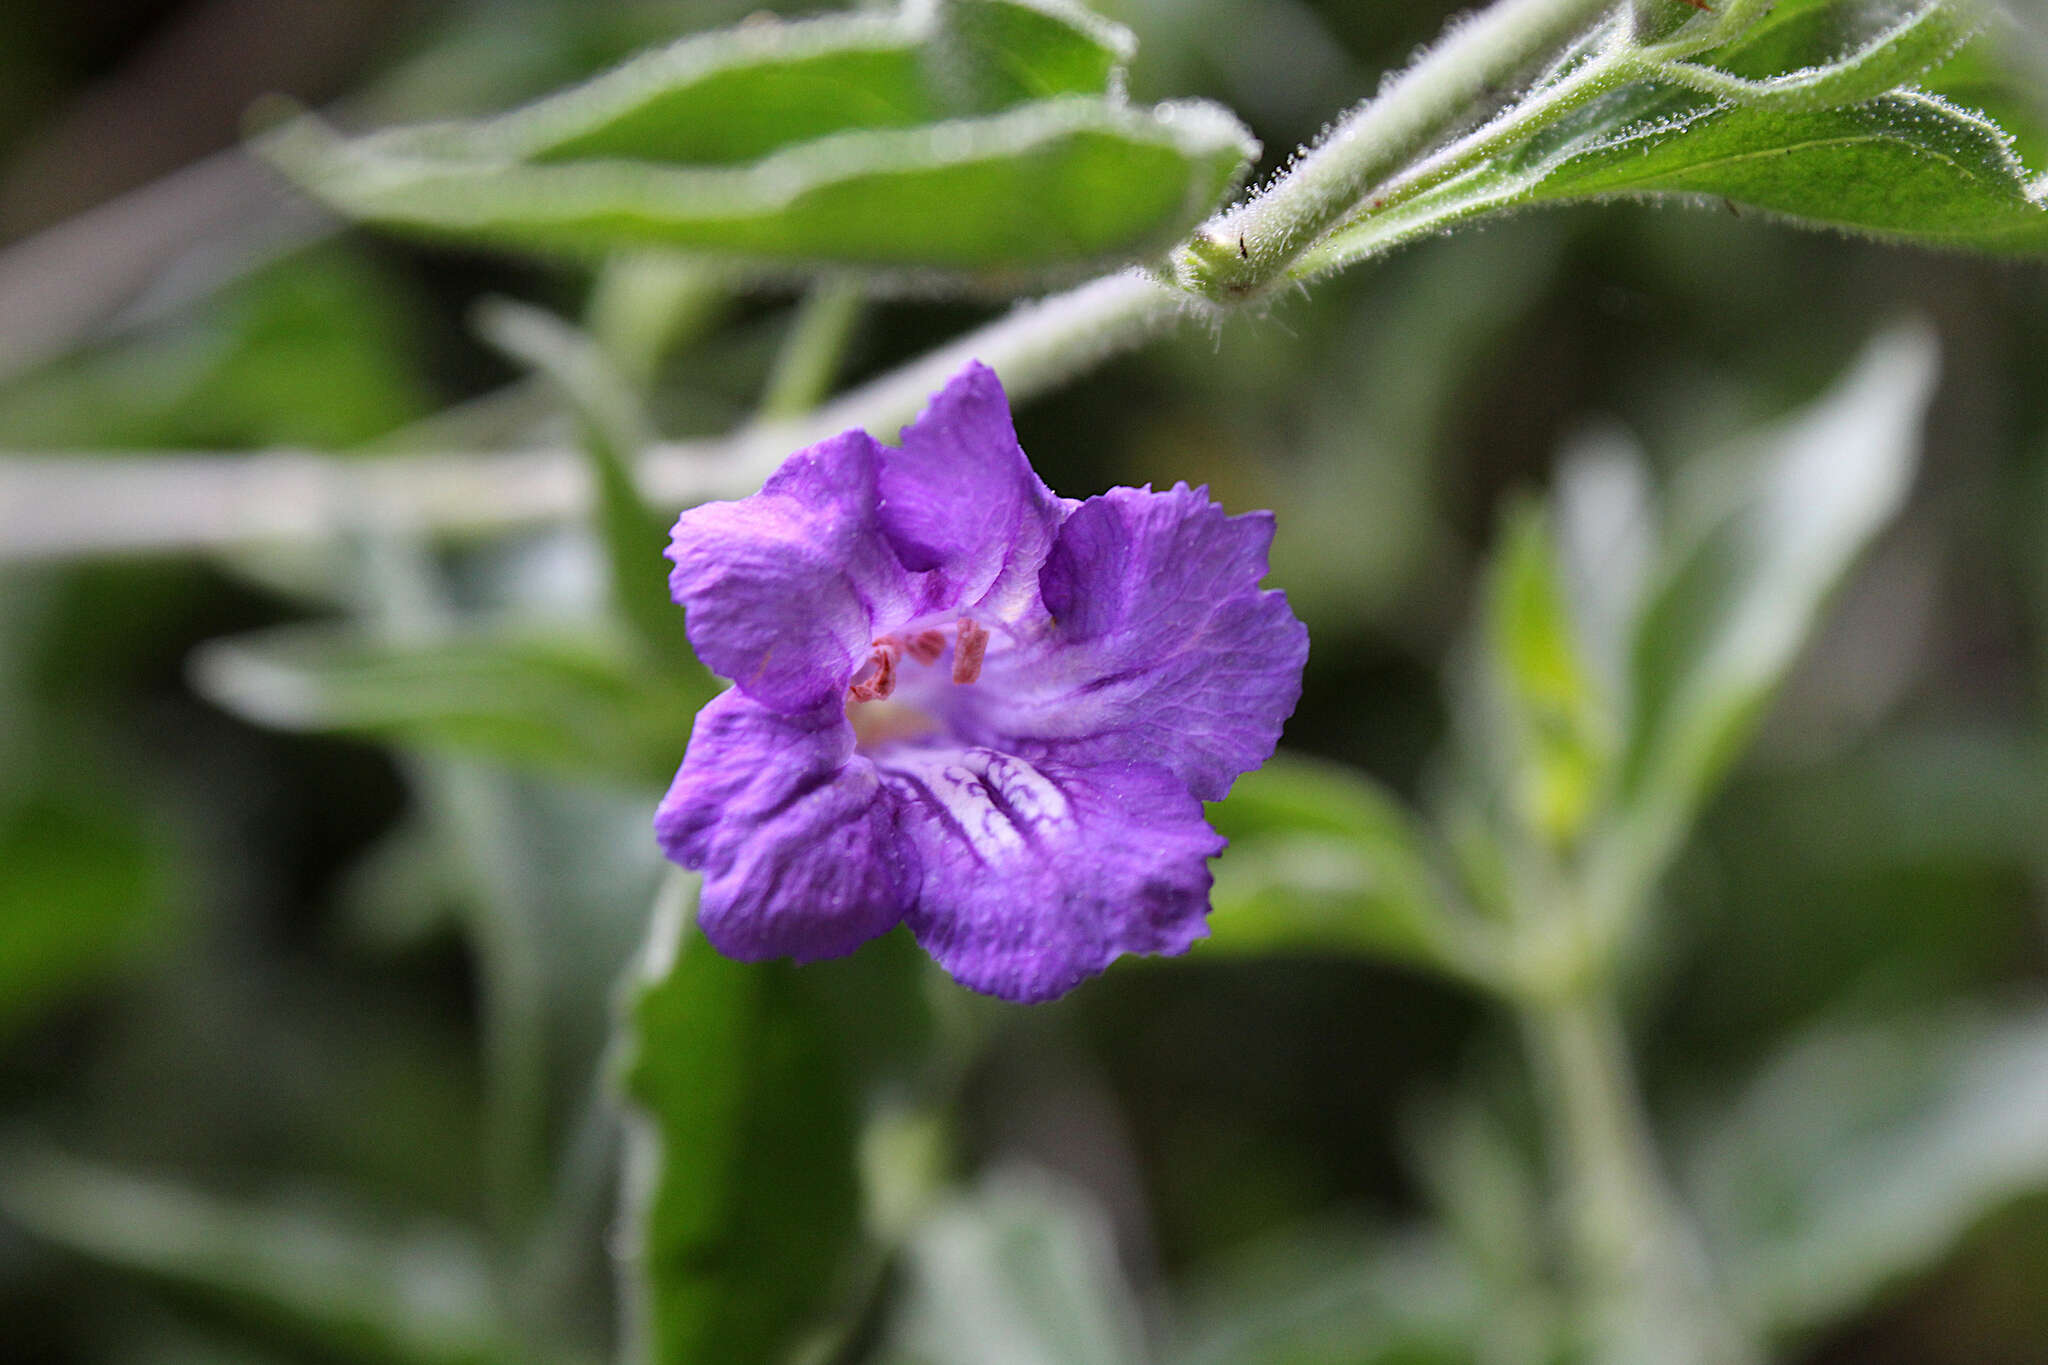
<point x="58" y="507"/>
<point x="1638" y="1275"/>
<point x="1614" y="66"/>
<point x="811" y="354"/>
<point x="1254" y="245"/>
<point x="65" y="506"/>
<point x="1606" y="1164"/>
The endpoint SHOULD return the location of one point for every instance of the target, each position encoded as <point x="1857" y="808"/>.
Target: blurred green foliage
<point x="323" y="351"/>
<point x="1654" y="634"/>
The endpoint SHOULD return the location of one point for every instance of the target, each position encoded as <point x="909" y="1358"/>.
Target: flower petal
<point x="793" y="831"/>
<point x="961" y="500"/>
<point x="784" y="588"/>
<point x="1162" y="648"/>
<point x="1038" y="876"/>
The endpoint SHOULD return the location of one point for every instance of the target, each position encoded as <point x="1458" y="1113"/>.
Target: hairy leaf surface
<point x="987" y="141"/>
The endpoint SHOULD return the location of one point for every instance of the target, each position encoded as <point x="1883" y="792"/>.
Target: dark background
<point x="240" y="1019"/>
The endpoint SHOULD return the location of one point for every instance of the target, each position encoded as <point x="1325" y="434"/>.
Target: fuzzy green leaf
<point x="1060" y="186"/>
<point x="1322" y="860"/>
<point x="990" y="54"/>
<point x="730" y="96"/>
<point x="1814" y="114"/>
<point x="1025" y="1270"/>
<point x="985" y="139"/>
<point x="1996" y="72"/>
<point x="1909" y="165"/>
<point x="1759" y="546"/>
<point x="1864" y="1153"/>
<point x="741" y="1191"/>
<point x="1557" y="725"/>
<point x="1795" y="75"/>
<point x="1325" y="1294"/>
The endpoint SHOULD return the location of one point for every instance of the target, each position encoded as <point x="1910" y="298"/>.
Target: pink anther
<point x="878" y="679"/>
<point x="926" y="645"/>
<point x="970" y="642"/>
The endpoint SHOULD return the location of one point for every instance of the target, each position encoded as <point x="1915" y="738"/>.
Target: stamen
<point x="970" y="642"/>
<point x="882" y="681"/>
<point x="877" y="677"/>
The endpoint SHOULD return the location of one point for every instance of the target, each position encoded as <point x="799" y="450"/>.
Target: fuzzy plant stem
<point x="1640" y="1280"/>
<point x="61" y="507"/>
<point x="1606" y="1164"/>
<point x="1244" y="250"/>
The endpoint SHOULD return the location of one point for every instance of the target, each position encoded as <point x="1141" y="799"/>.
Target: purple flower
<point x="964" y="704"/>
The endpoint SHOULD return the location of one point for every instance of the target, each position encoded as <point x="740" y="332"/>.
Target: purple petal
<point x="1162" y="649"/>
<point x="793" y="831"/>
<point x="1037" y="876"/>
<point x="960" y="499"/>
<point x="783" y="588"/>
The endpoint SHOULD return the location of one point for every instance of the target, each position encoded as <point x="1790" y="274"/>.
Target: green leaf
<point x="1604" y="511"/>
<point x="419" y="1294"/>
<point x="1558" y="728"/>
<point x="1863" y="1153"/>
<point x="1323" y="860"/>
<point x="1891" y="58"/>
<point x="322" y="350"/>
<point x="990" y="54"/>
<point x="1024" y="1272"/>
<point x="1346" y="1297"/>
<point x="732" y="96"/>
<point x="1999" y="72"/>
<point x="742" y="1198"/>
<point x="1908" y="165"/>
<point x="717" y="99"/>
<point x="80" y="889"/>
<point x="986" y="139"/>
<point x="1812" y="114"/>
<point x="1781" y="119"/>
<point x="1759" y="544"/>
<point x="1061" y="186"/>
<point x="1795" y="35"/>
<point x="578" y="702"/>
